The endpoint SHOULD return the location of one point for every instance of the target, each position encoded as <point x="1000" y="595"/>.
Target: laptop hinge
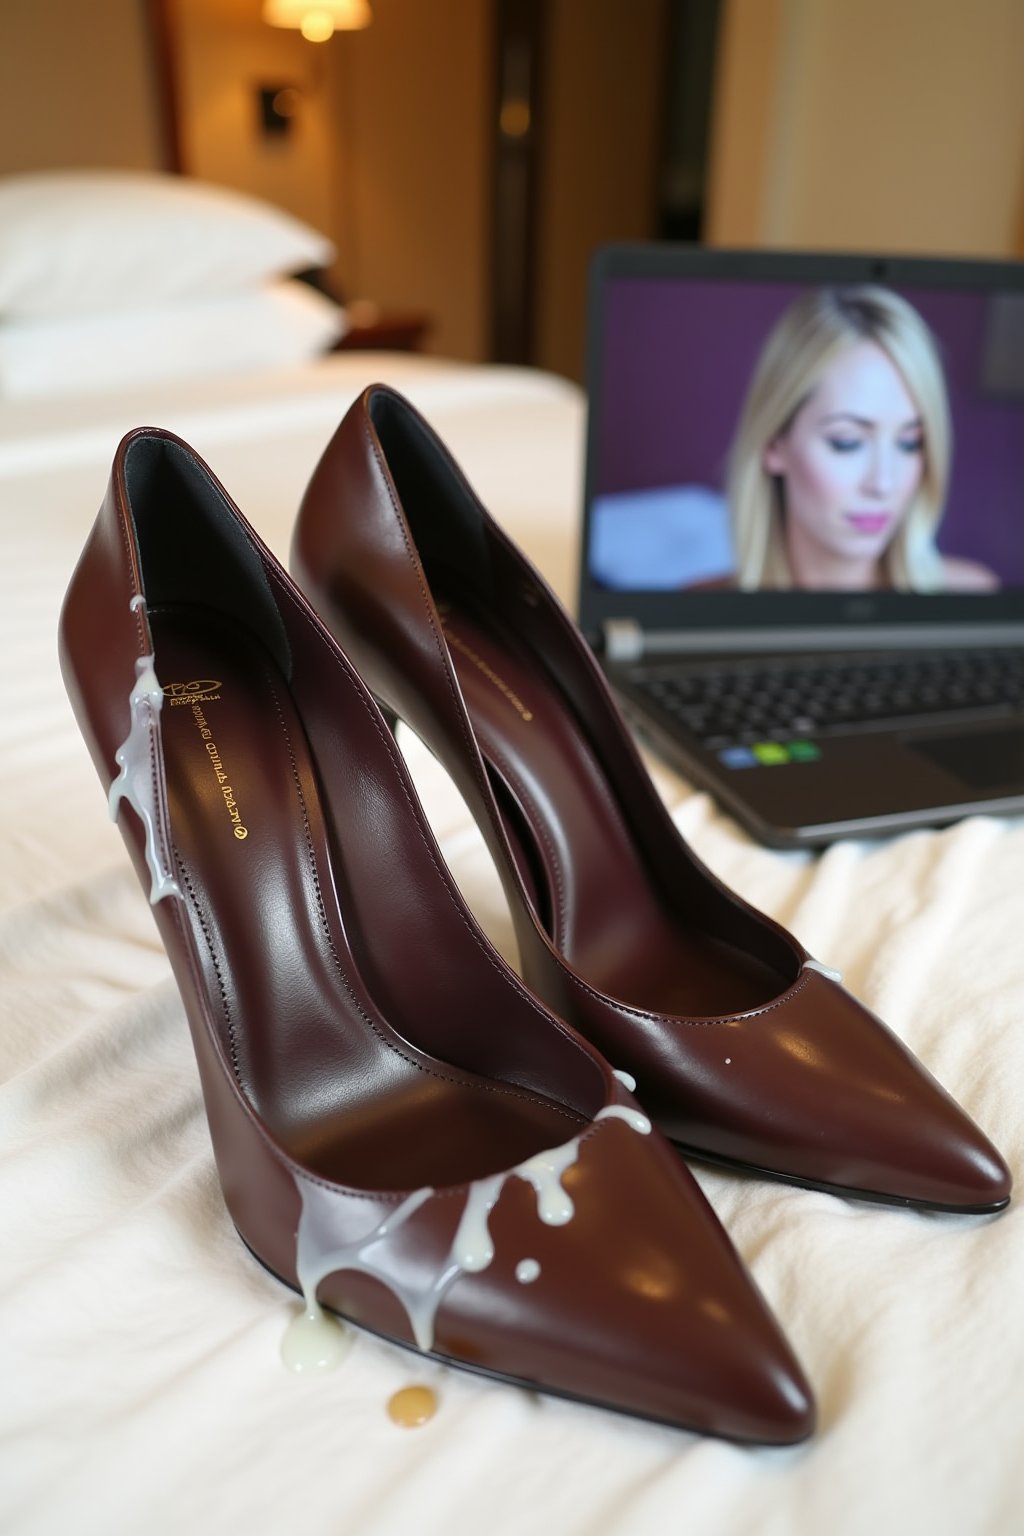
<point x="623" y="640"/>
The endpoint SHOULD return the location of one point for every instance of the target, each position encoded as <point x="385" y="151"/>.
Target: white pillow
<point x="76" y="241"/>
<point x="283" y="324"/>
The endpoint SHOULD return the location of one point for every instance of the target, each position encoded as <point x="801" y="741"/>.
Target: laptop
<point x="802" y="565"/>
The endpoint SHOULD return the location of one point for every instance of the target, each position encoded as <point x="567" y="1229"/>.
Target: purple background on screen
<point x="678" y="357"/>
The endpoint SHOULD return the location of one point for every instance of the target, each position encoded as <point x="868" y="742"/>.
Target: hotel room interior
<point x="448" y="168"/>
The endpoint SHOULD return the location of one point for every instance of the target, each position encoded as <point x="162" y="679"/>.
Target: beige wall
<point x="412" y="100"/>
<point x="885" y="124"/>
<point x="224" y="53"/>
<point x="601" y="128"/>
<point x="743" y="113"/>
<point x="388" y="153"/>
<point x="75" y="87"/>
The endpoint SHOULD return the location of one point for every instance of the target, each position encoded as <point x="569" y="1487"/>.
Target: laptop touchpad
<point x="982" y="759"/>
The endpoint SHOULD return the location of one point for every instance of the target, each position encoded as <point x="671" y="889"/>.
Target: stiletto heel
<point x="745" y="1049"/>
<point x="399" y="1127"/>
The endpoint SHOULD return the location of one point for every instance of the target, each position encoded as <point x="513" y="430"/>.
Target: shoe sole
<point x="845" y="1191"/>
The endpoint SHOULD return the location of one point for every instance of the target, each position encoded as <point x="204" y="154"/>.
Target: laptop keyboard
<point x="741" y="703"/>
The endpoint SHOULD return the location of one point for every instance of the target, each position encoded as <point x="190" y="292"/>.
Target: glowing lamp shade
<point x="318" y="19"/>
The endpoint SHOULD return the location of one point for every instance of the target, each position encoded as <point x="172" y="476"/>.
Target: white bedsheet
<point x="142" y="1388"/>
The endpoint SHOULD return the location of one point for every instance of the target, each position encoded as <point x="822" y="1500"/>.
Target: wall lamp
<point x="318" y="20"/>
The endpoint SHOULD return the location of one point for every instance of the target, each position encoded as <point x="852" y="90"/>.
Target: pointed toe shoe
<point x="402" y="1131"/>
<point x="744" y="1049"/>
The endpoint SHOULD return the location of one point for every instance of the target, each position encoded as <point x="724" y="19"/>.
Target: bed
<point x="144" y="1385"/>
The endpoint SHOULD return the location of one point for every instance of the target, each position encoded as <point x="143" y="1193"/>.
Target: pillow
<point x="76" y="241"/>
<point x="283" y="324"/>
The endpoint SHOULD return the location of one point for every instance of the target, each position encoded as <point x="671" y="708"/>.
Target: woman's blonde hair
<point x="811" y="334"/>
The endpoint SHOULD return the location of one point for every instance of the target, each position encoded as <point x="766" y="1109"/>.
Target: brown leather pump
<point x="744" y="1049"/>
<point x="399" y="1127"/>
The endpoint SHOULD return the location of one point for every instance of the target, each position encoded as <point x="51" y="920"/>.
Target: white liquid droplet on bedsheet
<point x="315" y="1341"/>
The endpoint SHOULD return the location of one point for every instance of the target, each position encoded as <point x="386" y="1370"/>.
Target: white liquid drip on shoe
<point x="472" y="1249"/>
<point x="824" y="970"/>
<point x="633" y="1118"/>
<point x="135" y="781"/>
<point x="626" y="1078"/>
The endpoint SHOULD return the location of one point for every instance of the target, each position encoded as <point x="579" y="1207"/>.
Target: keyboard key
<point x="737" y="757"/>
<point x="769" y="753"/>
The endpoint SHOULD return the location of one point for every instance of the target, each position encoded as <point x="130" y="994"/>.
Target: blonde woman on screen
<point x="840" y="465"/>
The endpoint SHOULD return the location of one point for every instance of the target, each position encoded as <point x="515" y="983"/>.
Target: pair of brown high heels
<point x="401" y="1128"/>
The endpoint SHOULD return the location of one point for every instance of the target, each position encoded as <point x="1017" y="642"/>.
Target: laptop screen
<point x="805" y="425"/>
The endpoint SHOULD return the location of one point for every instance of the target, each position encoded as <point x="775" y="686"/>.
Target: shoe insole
<point x="572" y="840"/>
<point x="350" y="1093"/>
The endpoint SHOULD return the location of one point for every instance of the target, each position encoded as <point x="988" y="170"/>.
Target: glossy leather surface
<point x="740" y="1051"/>
<point x="357" y="1037"/>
